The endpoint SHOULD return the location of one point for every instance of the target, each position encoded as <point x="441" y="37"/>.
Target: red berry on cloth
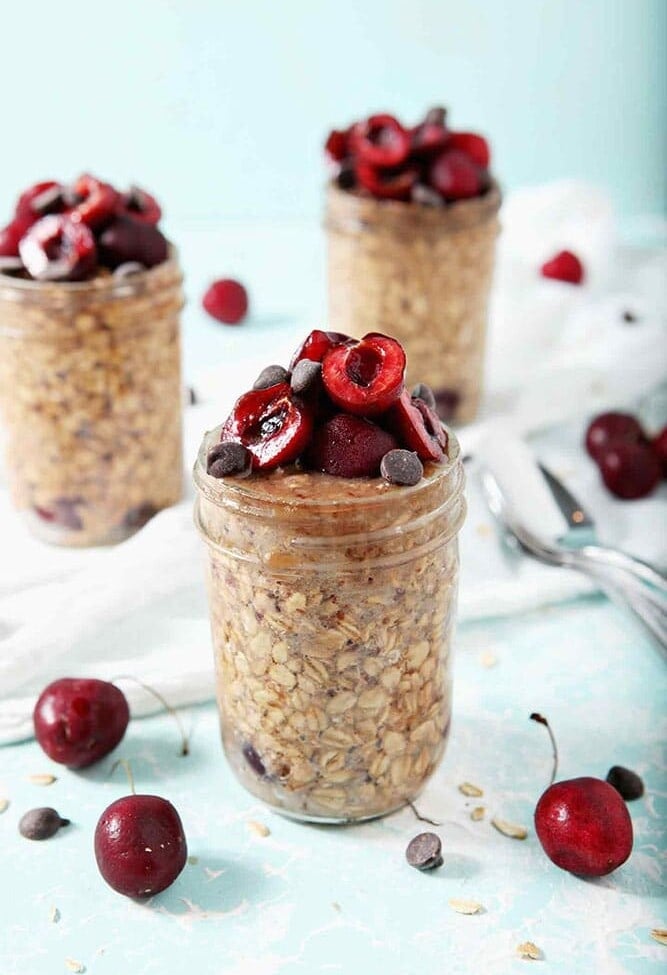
<point x="564" y="266"/>
<point x="227" y="301"/>
<point x="630" y="470"/>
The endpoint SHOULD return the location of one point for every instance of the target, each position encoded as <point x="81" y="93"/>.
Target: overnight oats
<point x="411" y="221"/>
<point x="330" y="502"/>
<point x="90" y="385"/>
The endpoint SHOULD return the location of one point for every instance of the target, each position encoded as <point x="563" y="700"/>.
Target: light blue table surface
<point x="306" y="899"/>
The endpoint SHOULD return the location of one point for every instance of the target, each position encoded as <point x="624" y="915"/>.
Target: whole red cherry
<point x="227" y="301"/>
<point x="80" y="720"/>
<point x="659" y="445"/>
<point x="609" y="427"/>
<point x="630" y="470"/>
<point x="140" y="845"/>
<point x="584" y="826"/>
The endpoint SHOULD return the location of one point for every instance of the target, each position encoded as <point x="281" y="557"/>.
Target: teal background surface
<point x="221" y="107"/>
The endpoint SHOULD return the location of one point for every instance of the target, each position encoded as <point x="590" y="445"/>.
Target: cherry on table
<point x="606" y="428"/>
<point x="630" y="470"/>
<point x="227" y="301"/>
<point x="80" y="720"/>
<point x="140" y="845"/>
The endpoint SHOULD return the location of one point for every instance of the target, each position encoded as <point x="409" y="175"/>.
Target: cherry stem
<point x="128" y="771"/>
<point x="422" y="819"/>
<point x="185" y="744"/>
<point x="542" y="720"/>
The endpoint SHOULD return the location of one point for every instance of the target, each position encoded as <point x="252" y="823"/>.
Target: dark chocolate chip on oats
<point x="41" y="824"/>
<point x="402" y="467"/>
<point x="228" y="458"/>
<point x="306" y="375"/>
<point x="626" y="782"/>
<point x="424" y="393"/>
<point x="271" y="376"/>
<point x="424" y="851"/>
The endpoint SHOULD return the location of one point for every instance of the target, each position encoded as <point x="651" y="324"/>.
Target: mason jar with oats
<point x="411" y="221"/>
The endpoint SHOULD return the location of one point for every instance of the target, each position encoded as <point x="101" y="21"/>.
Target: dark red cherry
<point x="630" y="470"/>
<point x="418" y="427"/>
<point x="365" y="377"/>
<point x="97" y="201"/>
<point x="139" y="205"/>
<point x="474" y="146"/>
<point x="380" y="141"/>
<point x="349" y="446"/>
<point x="659" y="445"/>
<point x="126" y="239"/>
<point x="584" y="826"/>
<point x="140" y="845"/>
<point x="25" y="204"/>
<point x="564" y="266"/>
<point x="316" y="345"/>
<point x="227" y="301"/>
<point x="387" y="184"/>
<point x="80" y="720"/>
<point x="608" y="428"/>
<point x="455" y="176"/>
<point x="273" y="424"/>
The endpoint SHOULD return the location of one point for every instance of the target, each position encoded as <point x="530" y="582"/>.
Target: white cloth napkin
<point x="557" y="353"/>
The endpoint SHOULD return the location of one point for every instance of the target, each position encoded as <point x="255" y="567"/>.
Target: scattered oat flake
<point x="54" y="915"/>
<point x="484" y="530"/>
<point x="193" y="860"/>
<point x="659" y="935"/>
<point x="4" y="805"/>
<point x="509" y="829"/>
<point x="477" y="813"/>
<point x="42" y="778"/>
<point x="259" y="828"/>
<point x="529" y="951"/>
<point x="336" y="906"/>
<point x="75" y="966"/>
<point x="468" y="789"/>
<point x="462" y="906"/>
<point x="488" y="659"/>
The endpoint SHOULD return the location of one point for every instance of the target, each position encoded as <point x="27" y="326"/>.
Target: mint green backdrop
<point x="221" y="106"/>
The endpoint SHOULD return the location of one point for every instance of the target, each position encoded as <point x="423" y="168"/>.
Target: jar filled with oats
<point x="90" y="385"/>
<point x="332" y="578"/>
<point x="411" y="221"/>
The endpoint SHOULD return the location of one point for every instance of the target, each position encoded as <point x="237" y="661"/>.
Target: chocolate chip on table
<point x="425" y="393"/>
<point x="426" y="196"/>
<point x="41" y="823"/>
<point x="402" y="467"/>
<point x="629" y="317"/>
<point x="424" y="851"/>
<point x="626" y="782"/>
<point x="193" y="399"/>
<point x="129" y="268"/>
<point x="271" y="376"/>
<point x="306" y="375"/>
<point x="228" y="458"/>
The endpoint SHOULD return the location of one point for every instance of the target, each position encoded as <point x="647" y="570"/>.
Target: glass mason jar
<point x="422" y="274"/>
<point x="332" y="608"/>
<point x="90" y="402"/>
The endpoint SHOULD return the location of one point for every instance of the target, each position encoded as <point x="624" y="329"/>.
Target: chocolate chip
<point x="11" y="265"/>
<point x="228" y="458"/>
<point x="424" y="851"/>
<point x="426" y="196"/>
<point x="447" y="401"/>
<point x="401" y="467"/>
<point x="41" y="824"/>
<point x="630" y="317"/>
<point x="435" y="116"/>
<point x="50" y="201"/>
<point x="346" y="178"/>
<point x="193" y="399"/>
<point x="626" y="782"/>
<point x="136" y="199"/>
<point x="425" y="393"/>
<point x="271" y="376"/>
<point x="138" y="516"/>
<point x="306" y="375"/>
<point x="127" y="269"/>
<point x="254" y="761"/>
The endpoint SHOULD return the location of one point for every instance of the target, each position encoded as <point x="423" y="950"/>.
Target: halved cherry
<point x="24" y="204"/>
<point x="336" y="147"/>
<point x="316" y="345"/>
<point x="57" y="248"/>
<point x="126" y="239"/>
<point x="429" y="138"/>
<point x="380" y="140"/>
<point x="387" y="184"/>
<point x="365" y="377"/>
<point x="475" y="146"/>
<point x="97" y="201"/>
<point x="139" y="205"/>
<point x="349" y="446"/>
<point x="418" y="427"/>
<point x="273" y="424"/>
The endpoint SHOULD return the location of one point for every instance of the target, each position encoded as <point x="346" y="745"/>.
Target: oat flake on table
<point x="462" y="906"/>
<point x="42" y="778"/>
<point x="659" y="935"/>
<point x="468" y="789"/>
<point x="529" y="951"/>
<point x="513" y="830"/>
